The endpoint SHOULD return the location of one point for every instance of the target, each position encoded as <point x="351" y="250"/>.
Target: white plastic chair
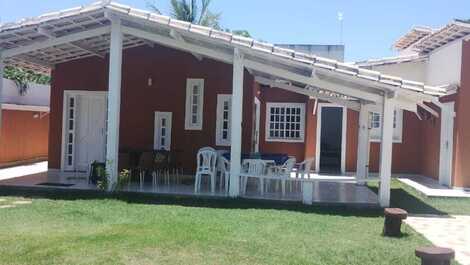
<point x="253" y="168"/>
<point x="284" y="172"/>
<point x="304" y="169"/>
<point x="223" y="166"/>
<point x="206" y="163"/>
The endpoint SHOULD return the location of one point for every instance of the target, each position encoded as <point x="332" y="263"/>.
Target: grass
<point x="58" y="228"/>
<point x="405" y="197"/>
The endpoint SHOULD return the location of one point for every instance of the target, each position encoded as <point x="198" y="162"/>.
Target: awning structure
<point x="40" y="43"/>
<point x="106" y="28"/>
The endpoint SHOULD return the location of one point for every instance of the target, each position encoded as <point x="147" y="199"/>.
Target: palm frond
<point x="152" y="5"/>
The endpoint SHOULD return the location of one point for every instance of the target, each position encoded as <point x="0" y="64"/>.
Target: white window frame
<point x="270" y="105"/>
<point x="189" y="124"/>
<point x="157" y="131"/>
<point x="221" y="99"/>
<point x="375" y="133"/>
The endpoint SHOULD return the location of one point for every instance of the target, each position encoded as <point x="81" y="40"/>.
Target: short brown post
<point x="393" y="219"/>
<point x="435" y="255"/>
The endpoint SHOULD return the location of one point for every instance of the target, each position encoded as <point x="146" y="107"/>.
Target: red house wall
<point x="23" y="137"/>
<point x="169" y="70"/>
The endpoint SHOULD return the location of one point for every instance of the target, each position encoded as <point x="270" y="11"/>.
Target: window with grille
<point x="71" y="107"/>
<point x="194" y="104"/>
<point x="162" y="131"/>
<point x="375" y="120"/>
<point x="223" y="116"/>
<point x="285" y="122"/>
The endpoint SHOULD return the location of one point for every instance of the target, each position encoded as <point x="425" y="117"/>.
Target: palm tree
<point x="189" y="11"/>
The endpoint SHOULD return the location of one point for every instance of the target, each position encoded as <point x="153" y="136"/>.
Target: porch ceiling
<point x="42" y="42"/>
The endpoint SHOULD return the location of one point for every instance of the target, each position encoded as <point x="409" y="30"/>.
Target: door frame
<point x="169" y="131"/>
<point x="66" y="94"/>
<point x="446" y="143"/>
<point x="343" y="135"/>
<point x="256" y="137"/>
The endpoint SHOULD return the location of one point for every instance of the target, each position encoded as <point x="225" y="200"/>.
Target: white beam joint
<point x="114" y="103"/>
<point x="236" y="128"/>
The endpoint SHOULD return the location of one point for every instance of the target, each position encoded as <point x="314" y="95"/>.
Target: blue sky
<point x="370" y="27"/>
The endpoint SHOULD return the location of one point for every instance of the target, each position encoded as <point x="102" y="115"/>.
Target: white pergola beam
<point x="313" y="81"/>
<point x="386" y="145"/>
<point x="114" y="103"/>
<point x="312" y="93"/>
<point x="57" y="41"/>
<point x="175" y="35"/>
<point x="172" y="43"/>
<point x="363" y="145"/>
<point x="51" y="35"/>
<point x="429" y="109"/>
<point x="236" y="123"/>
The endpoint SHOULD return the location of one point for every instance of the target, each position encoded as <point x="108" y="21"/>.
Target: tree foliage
<point x="23" y="77"/>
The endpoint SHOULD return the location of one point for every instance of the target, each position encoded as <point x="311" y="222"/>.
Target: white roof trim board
<point x="25" y="32"/>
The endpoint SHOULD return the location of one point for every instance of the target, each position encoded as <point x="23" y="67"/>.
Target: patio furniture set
<point x="260" y="168"/>
<point x="213" y="166"/>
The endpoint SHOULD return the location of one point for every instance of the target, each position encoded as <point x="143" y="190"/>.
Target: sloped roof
<point x="92" y="17"/>
<point x="392" y="60"/>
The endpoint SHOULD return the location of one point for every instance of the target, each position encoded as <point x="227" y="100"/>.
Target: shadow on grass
<point x="191" y="201"/>
<point x="400" y="198"/>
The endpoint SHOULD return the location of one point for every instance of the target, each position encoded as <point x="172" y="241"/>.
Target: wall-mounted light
<point x="149" y="81"/>
<point x="36" y="115"/>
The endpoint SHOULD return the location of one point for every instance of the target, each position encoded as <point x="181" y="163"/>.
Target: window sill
<point x="285" y="140"/>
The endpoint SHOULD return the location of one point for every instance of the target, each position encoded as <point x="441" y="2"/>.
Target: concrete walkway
<point x="431" y="187"/>
<point x="24" y="170"/>
<point x="446" y="231"/>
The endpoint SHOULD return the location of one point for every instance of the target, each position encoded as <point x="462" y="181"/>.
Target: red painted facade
<point x="169" y="69"/>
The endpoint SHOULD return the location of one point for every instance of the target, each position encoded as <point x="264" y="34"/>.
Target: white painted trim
<point x="188" y="124"/>
<point x="25" y="107"/>
<point x="221" y="98"/>
<point x="343" y="135"/>
<point x="269" y="105"/>
<point x="156" y="139"/>
<point x="363" y="145"/>
<point x="2" y="67"/>
<point x="236" y="134"/>
<point x="68" y="93"/>
<point x="257" y="102"/>
<point x="446" y="143"/>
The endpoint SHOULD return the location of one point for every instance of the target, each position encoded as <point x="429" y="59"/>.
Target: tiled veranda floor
<point x="326" y="190"/>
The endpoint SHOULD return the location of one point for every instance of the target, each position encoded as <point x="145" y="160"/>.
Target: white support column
<point x="236" y="129"/>
<point x="386" y="145"/>
<point x="1" y="90"/>
<point x="363" y="145"/>
<point x="114" y="102"/>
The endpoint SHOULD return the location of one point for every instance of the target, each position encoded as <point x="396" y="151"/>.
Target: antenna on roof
<point x="340" y="19"/>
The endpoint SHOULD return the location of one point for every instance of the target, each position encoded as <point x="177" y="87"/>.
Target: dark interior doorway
<point x="331" y="137"/>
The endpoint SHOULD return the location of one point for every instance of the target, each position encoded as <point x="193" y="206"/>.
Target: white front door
<point x="162" y="131"/>
<point x="447" y="142"/>
<point x="85" y="125"/>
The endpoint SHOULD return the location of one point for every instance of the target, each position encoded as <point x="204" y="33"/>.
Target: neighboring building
<point x="438" y="57"/>
<point x="127" y="79"/>
<point x="25" y="124"/>
<point x="335" y="52"/>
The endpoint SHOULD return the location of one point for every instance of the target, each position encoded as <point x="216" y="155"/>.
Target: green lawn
<point x="99" y="229"/>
